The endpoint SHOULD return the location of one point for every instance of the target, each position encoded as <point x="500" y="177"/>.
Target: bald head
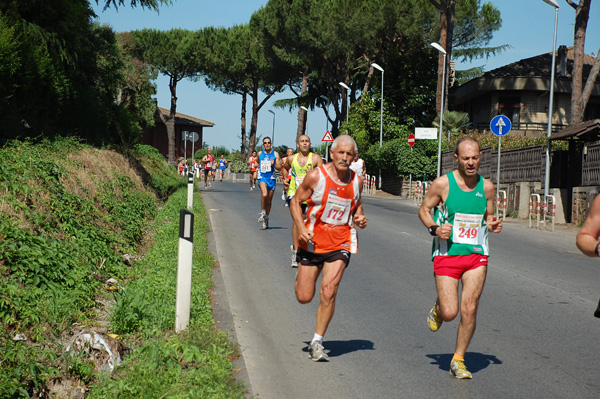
<point x="464" y="141"/>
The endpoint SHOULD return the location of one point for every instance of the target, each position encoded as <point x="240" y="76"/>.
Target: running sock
<point x="316" y="337"/>
<point x="458" y="357"/>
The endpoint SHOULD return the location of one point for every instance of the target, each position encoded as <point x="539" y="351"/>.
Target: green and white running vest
<point x="298" y="173"/>
<point x="464" y="210"/>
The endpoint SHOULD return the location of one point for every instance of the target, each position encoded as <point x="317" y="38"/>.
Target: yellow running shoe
<point x="459" y="370"/>
<point x="433" y="320"/>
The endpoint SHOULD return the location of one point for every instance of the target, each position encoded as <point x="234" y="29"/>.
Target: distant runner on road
<point x="460" y="244"/>
<point x="253" y="164"/>
<point x="327" y="237"/>
<point x="208" y="161"/>
<point x="222" y="166"/>
<point x="358" y="165"/>
<point x="284" y="161"/>
<point x="268" y="162"/>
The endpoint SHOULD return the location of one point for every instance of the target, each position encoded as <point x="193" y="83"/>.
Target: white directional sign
<point x="426" y="133"/>
<point x="500" y="125"/>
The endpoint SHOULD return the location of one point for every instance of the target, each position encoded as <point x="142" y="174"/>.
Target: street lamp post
<point x="554" y="4"/>
<point x="185" y="139"/>
<point x="348" y="107"/>
<point x="273" y="138"/>
<point x="439" y="163"/>
<point x="381" y="121"/>
<point x="305" y="119"/>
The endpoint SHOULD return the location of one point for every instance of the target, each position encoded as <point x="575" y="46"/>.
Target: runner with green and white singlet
<point x="465" y="214"/>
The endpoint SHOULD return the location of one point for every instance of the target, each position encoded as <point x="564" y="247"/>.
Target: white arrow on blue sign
<point x="500" y="125"/>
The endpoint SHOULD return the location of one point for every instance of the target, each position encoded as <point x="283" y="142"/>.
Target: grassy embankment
<point x="68" y="214"/>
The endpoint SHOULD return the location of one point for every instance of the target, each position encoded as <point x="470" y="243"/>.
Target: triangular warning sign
<point x="327" y="137"/>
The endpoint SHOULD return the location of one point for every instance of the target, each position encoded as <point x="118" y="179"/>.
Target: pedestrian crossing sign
<point x="328" y="137"/>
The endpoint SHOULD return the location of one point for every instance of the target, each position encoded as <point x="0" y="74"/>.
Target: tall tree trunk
<point x="243" y="147"/>
<point x="256" y="107"/>
<point x="170" y="120"/>
<point x="591" y="81"/>
<point x="582" y="14"/>
<point x="301" y="114"/>
<point x="254" y="120"/>
<point x="447" y="9"/>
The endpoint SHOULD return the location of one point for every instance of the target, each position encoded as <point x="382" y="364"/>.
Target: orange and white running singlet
<point x="253" y="164"/>
<point x="329" y="214"/>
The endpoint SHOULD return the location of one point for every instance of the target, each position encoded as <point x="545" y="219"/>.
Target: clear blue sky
<point x="527" y="25"/>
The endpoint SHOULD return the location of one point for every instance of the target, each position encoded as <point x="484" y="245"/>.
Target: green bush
<point x="192" y="364"/>
<point x="238" y="163"/>
<point x="66" y="221"/>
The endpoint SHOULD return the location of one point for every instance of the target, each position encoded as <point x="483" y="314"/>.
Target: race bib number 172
<point x="337" y="210"/>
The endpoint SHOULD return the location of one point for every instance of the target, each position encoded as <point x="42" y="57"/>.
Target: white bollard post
<point x="184" y="270"/>
<point x="190" y="197"/>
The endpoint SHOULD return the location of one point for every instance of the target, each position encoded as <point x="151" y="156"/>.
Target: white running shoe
<point x="316" y="352"/>
<point x="294" y="261"/>
<point x="265" y="222"/>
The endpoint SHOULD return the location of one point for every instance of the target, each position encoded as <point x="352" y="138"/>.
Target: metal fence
<point x="590" y="166"/>
<point x="523" y="164"/>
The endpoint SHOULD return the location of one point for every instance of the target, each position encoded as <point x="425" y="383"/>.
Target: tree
<point x="284" y="26"/>
<point x="357" y="34"/>
<point x="240" y="64"/>
<point x="62" y="74"/>
<point x="176" y="54"/>
<point x="468" y="26"/>
<point x="580" y="95"/>
<point x="134" y="94"/>
<point x="395" y="156"/>
<point x="454" y="122"/>
<point x="149" y="4"/>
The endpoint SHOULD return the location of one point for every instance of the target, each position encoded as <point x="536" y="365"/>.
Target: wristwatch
<point x="433" y="229"/>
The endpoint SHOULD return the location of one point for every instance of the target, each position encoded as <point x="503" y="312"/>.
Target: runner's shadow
<point x="474" y="361"/>
<point x="339" y="348"/>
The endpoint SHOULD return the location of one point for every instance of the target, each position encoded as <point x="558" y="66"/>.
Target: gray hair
<point x="346" y="139"/>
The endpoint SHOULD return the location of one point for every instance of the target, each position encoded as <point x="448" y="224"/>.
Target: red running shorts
<point x="456" y="265"/>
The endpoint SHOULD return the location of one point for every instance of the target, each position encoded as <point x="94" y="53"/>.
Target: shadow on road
<point x="474" y="361"/>
<point x="339" y="348"/>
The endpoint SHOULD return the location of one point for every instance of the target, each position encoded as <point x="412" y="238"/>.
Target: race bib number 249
<point x="466" y="228"/>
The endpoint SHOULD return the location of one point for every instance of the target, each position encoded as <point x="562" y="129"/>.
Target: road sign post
<point x="327" y="138"/>
<point x="500" y="126"/>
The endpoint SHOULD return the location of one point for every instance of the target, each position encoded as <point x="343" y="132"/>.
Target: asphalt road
<point x="536" y="335"/>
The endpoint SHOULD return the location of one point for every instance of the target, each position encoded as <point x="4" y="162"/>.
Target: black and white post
<point x="184" y="270"/>
<point x="190" y="197"/>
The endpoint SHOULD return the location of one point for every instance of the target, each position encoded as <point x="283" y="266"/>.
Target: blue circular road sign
<point x="500" y="125"/>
